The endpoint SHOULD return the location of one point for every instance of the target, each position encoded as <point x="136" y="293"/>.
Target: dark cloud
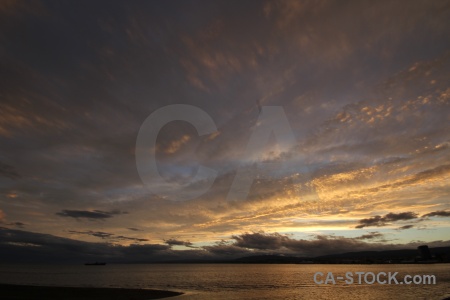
<point x="18" y="245"/>
<point x="110" y="236"/>
<point x="175" y="242"/>
<point x="17" y="224"/>
<point x="86" y="214"/>
<point x="276" y="241"/>
<point x="99" y="234"/>
<point x="24" y="246"/>
<point x="8" y="171"/>
<point x="329" y="245"/>
<point x="370" y="235"/>
<point x="223" y="250"/>
<point x="320" y="245"/>
<point x="405" y="227"/>
<point x="127" y="238"/>
<point x="260" y="240"/>
<point x="379" y="221"/>
<point x="439" y="213"/>
<point x="373" y="221"/>
<point x="134" y="229"/>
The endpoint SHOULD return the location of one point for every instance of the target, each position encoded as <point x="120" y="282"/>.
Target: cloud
<point x="224" y="250"/>
<point x="29" y="246"/>
<point x="439" y="213"/>
<point x="134" y="229"/>
<point x="174" y="242"/>
<point x="127" y="238"/>
<point x="405" y="227"/>
<point x="380" y="221"/>
<point x="99" y="234"/>
<point x="17" y="8"/>
<point x="370" y="235"/>
<point x="86" y="214"/>
<point x="8" y="171"/>
<point x="109" y="236"/>
<point x="24" y="246"/>
<point x="68" y="122"/>
<point x="320" y="245"/>
<point x="17" y="224"/>
<point x="373" y="221"/>
<point x="174" y="146"/>
<point x="260" y="240"/>
<point x="18" y="245"/>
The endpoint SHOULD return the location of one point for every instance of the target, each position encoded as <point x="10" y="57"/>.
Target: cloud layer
<point x="364" y="88"/>
<point x="83" y="214"/>
<point x="23" y="246"/>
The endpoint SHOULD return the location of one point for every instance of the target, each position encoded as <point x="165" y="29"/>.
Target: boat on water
<point x="95" y="264"/>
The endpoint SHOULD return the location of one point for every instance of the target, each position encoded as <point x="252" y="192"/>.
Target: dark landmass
<point x="25" y="292"/>
<point x="440" y="255"/>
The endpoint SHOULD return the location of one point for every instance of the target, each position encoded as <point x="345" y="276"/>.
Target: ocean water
<point x="236" y="281"/>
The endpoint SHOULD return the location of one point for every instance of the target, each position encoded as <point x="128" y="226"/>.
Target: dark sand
<point x="25" y="292"/>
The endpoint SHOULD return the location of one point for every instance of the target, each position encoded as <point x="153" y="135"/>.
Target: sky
<point x="330" y="128"/>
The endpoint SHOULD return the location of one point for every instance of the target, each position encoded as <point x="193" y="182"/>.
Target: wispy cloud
<point x="86" y="214"/>
<point x="405" y="227"/>
<point x="370" y="236"/>
<point x="111" y="237"/>
<point x="440" y="213"/>
<point x="379" y="221"/>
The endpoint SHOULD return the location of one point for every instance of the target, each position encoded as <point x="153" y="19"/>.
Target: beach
<point x="28" y="292"/>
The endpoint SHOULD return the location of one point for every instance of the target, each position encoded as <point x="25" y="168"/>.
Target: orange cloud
<point x="13" y="118"/>
<point x="176" y="145"/>
<point x="17" y="7"/>
<point x="12" y="195"/>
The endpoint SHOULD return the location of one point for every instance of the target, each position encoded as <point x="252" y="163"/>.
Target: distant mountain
<point x="387" y="254"/>
<point x="441" y="254"/>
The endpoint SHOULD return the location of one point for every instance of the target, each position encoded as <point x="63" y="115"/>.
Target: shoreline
<point x="28" y="292"/>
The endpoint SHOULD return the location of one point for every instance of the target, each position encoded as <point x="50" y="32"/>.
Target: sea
<point x="239" y="281"/>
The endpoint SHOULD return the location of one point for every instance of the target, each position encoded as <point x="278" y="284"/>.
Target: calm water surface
<point x="233" y="281"/>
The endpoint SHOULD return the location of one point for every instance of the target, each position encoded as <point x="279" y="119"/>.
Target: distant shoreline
<point x="29" y="292"/>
